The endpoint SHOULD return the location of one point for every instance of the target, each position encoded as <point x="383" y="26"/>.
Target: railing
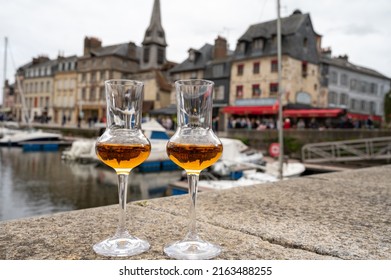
<point x="351" y="150"/>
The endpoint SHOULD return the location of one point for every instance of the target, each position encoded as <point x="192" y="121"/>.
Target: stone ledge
<point x="344" y="215"/>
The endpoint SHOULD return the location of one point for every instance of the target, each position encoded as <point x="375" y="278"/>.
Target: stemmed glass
<point x="123" y="146"/>
<point x="194" y="147"/>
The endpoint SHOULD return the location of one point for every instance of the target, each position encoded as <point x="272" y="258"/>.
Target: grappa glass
<point x="194" y="147"/>
<point x="123" y="146"/>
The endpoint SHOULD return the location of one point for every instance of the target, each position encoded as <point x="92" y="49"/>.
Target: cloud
<point x="362" y="29"/>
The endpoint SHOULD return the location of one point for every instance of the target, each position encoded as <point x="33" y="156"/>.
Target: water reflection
<point x="36" y="183"/>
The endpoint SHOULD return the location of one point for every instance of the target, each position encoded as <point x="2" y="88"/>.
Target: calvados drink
<point x="194" y="158"/>
<point x="122" y="157"/>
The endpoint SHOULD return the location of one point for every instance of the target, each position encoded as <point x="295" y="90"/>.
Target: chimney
<point x="90" y="44"/>
<point x="220" y="48"/>
<point x="326" y="52"/>
<point x="132" y="49"/>
<point x="40" y="59"/>
<point x="344" y="57"/>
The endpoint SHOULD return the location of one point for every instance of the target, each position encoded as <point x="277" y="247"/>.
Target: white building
<point x="358" y="89"/>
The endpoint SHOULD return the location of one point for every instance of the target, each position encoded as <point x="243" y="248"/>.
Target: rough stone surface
<point x="342" y="215"/>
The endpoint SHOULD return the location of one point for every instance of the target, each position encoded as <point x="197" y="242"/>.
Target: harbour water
<point x="40" y="183"/>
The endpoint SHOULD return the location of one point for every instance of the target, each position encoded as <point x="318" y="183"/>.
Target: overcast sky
<point x="359" y="28"/>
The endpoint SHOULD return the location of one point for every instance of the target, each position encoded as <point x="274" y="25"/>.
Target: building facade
<point x="254" y="72"/>
<point x="210" y="62"/>
<point x="38" y="89"/>
<point x="65" y="91"/>
<point x="358" y="89"/>
<point x="100" y="63"/>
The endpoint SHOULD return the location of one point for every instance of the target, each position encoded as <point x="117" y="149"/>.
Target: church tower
<point x="154" y="44"/>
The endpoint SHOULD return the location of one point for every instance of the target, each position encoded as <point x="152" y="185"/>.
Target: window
<point x="160" y="56"/>
<point x="93" y="76"/>
<point x="305" y="43"/>
<point x="92" y="94"/>
<point x="344" y="80"/>
<point x="256" y="68"/>
<point x="273" y="88"/>
<point x="102" y="93"/>
<point x="343" y="99"/>
<point x="353" y="84"/>
<point x="372" y="107"/>
<point x="274" y="65"/>
<point x="373" y="88"/>
<point x="303" y="98"/>
<point x="239" y="92"/>
<point x="258" y="44"/>
<point x="193" y="75"/>
<point x="219" y="92"/>
<point x="242" y="47"/>
<point x="192" y="55"/>
<point x="240" y="69"/>
<point x="353" y="104"/>
<point x="304" y="69"/>
<point x="363" y="105"/>
<point x="333" y="98"/>
<point x="333" y="77"/>
<point x="218" y="70"/>
<point x="256" y="90"/>
<point x="146" y="55"/>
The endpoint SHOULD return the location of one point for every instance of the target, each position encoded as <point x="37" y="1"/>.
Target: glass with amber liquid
<point x="194" y="147"/>
<point x="123" y="146"/>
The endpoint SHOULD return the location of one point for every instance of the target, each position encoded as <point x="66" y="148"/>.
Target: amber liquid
<point x="194" y="158"/>
<point x="122" y="157"/>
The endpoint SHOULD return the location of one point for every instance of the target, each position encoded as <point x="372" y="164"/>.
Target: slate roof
<point x="204" y="54"/>
<point x="294" y="29"/>
<point x="289" y="25"/>
<point x="344" y="63"/>
<point x="119" y="49"/>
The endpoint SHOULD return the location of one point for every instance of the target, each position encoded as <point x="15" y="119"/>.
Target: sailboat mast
<point x="5" y="65"/>
<point x="279" y="126"/>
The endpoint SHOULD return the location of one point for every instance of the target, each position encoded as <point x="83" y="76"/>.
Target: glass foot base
<point x="192" y="250"/>
<point x="121" y="246"/>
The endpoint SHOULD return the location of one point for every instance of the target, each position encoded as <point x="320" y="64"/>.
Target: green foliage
<point x="387" y="107"/>
<point x="292" y="145"/>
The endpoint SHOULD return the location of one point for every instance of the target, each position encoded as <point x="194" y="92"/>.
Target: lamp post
<point x="280" y="126"/>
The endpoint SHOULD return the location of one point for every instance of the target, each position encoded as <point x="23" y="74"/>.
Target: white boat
<point x="84" y="149"/>
<point x="29" y="136"/>
<point x="289" y="169"/>
<point x="236" y="156"/>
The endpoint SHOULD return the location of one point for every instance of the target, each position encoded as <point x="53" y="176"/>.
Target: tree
<point x="387" y="107"/>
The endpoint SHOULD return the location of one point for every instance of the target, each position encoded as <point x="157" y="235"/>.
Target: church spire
<point x="154" y="43"/>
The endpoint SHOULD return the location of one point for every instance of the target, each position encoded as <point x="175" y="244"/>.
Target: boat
<point x="24" y="137"/>
<point x="289" y="169"/>
<point x="236" y="156"/>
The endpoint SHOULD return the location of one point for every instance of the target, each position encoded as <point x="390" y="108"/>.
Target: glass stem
<point x="122" y="190"/>
<point x="193" y="186"/>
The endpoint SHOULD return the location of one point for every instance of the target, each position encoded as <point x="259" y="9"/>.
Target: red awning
<point x="251" y="110"/>
<point x="314" y="113"/>
<point x="364" y="117"/>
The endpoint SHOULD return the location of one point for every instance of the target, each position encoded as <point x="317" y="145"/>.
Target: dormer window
<point x="242" y="47"/>
<point x="258" y="44"/>
<point x="305" y="42"/>
<point x="192" y="55"/>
